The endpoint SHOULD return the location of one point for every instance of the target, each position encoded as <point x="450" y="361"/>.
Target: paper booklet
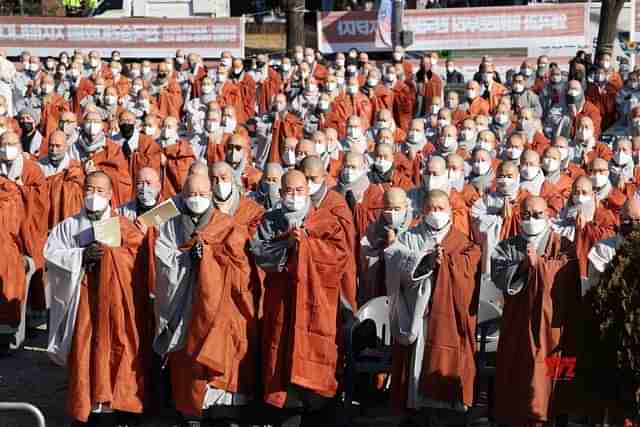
<point x="160" y="214"/>
<point x="107" y="232"/>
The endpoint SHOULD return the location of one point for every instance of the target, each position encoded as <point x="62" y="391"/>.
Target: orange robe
<point x="248" y="93"/>
<point x="66" y="193"/>
<point x="106" y="362"/>
<point x="268" y="90"/>
<point x="430" y="88"/>
<point x="170" y="99"/>
<point x="123" y="86"/>
<point x="448" y="365"/>
<point x="147" y="155"/>
<point x="230" y="95"/>
<point x="320" y="73"/>
<point x="222" y="339"/>
<point x="591" y="111"/>
<point x="346" y="106"/>
<point x="301" y="349"/>
<point x="539" y="143"/>
<point x="382" y="99"/>
<point x="12" y="271"/>
<point x="174" y="173"/>
<point x="86" y="87"/>
<point x="404" y="102"/>
<point x="111" y="161"/>
<point x="534" y="328"/>
<point x="479" y="106"/>
<point x="52" y="110"/>
<point x="604" y="99"/>
<point x="291" y="126"/>
<point x="196" y="81"/>
<point x="496" y="92"/>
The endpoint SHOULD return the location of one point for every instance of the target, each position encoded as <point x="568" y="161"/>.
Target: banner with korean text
<point x="465" y="28"/>
<point x="133" y="37"/>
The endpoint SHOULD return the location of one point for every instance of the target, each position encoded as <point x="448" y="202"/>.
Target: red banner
<point x="133" y="37"/>
<point x="556" y="25"/>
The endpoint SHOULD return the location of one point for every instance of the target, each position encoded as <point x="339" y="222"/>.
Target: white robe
<point x="63" y="258"/>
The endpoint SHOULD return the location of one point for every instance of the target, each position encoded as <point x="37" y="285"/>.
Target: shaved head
<point x="534" y="204"/>
<point x="198" y="168"/>
<point x="197" y="184"/>
<point x="631" y="210"/>
<point x="437" y="199"/>
<point x="312" y="164"/>
<point x="395" y="196"/>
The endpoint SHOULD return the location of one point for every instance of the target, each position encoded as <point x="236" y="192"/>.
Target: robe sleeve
<point x="271" y="254"/>
<point x="173" y="291"/>
<point x="507" y="268"/>
<point x="64" y="275"/>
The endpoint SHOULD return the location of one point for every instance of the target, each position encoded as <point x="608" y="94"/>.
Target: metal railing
<point x="24" y="407"/>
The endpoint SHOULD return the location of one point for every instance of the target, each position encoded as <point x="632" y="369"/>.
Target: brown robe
<point x="222" y="339"/>
<point x="147" y="155"/>
<point x="291" y="126"/>
<point x="170" y="99"/>
<point x="174" y="173"/>
<point x="603" y="226"/>
<point x="534" y="328"/>
<point x="66" y="193"/>
<point x="111" y="161"/>
<point x="302" y="349"/>
<point x="345" y="106"/>
<point x="106" y="360"/>
<point x="52" y="108"/>
<point x="448" y="366"/>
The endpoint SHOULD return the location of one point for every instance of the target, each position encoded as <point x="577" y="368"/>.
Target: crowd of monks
<point x="304" y="188"/>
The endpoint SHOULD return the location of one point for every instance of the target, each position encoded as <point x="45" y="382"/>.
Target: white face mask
<point x="229" y="124"/>
<point x="354" y="132"/>
<point x="437" y="219"/>
<point x="372" y="82"/>
<point x="314" y="187"/>
<point x="226" y="62"/>
<point x="169" y="133"/>
<point x="450" y="143"/>
<point x="581" y="199"/>
<point x="585" y="134"/>
<point x="94" y="202"/>
<point x="436" y="182"/>
<point x="93" y="129"/>
<point x="149" y="130"/>
<point x="550" y="165"/>
<point x="383" y="165"/>
<point x="534" y="226"/>
<point x="599" y="180"/>
<point x="147" y="196"/>
<point x="514" y="153"/>
<point x="352" y="89"/>
<point x="480" y="167"/>
<point x="471" y="94"/>
<point x="350" y="175"/>
<point x="289" y="157"/>
<point x="507" y="186"/>
<point x="518" y="88"/>
<point x="320" y="148"/>
<point x="395" y="219"/>
<point x="621" y="158"/>
<point x="110" y="100"/>
<point x="501" y="119"/>
<point x="213" y="126"/>
<point x="529" y="172"/>
<point x="207" y="89"/>
<point x="197" y="204"/>
<point x="9" y="152"/>
<point x="222" y="190"/>
<point x="468" y="135"/>
<point x="294" y="203"/>
<point x="564" y="153"/>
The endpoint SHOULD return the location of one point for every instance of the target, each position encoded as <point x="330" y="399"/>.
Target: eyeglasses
<point x="536" y="215"/>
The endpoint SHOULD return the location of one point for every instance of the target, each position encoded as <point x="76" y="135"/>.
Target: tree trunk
<point x="295" y="23"/>
<point x="607" y="29"/>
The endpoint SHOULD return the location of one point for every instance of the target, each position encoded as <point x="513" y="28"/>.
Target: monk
<point x="395" y="219"/>
<point x="148" y="187"/>
<point x="533" y="181"/>
<point x="53" y="105"/>
<point x="381" y="97"/>
<point x="481" y="178"/>
<point x="431" y="282"/>
<point x="65" y="180"/>
<point x="552" y="169"/>
<point x="537" y="271"/>
<point x="139" y="149"/>
<point x="97" y="152"/>
<point x="166" y="89"/>
<point x="584" y="221"/>
<point x="229" y="93"/>
<point x="329" y="202"/>
<point x="352" y="103"/>
<point x="284" y="125"/>
<point x="268" y="85"/>
<point x="229" y="198"/>
<point x="384" y="171"/>
<point x="238" y="156"/>
<point x="177" y="156"/>
<point x="364" y="199"/>
<point x="98" y="309"/>
<point x="435" y="177"/>
<point x="610" y="196"/>
<point x="247" y="86"/>
<point x="267" y="193"/>
<point x="477" y="104"/>
<point x="194" y="311"/>
<point x="303" y="253"/>
<point x="404" y="99"/>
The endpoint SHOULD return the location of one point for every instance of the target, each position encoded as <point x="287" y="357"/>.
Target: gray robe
<point x="63" y="258"/>
<point x="175" y="283"/>
<point x="409" y="296"/>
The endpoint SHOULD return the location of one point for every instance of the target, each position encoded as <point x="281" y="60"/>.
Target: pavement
<point x="27" y="375"/>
